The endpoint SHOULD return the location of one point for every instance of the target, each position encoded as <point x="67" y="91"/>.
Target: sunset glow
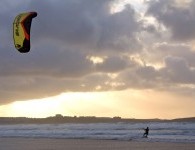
<point x="127" y="104"/>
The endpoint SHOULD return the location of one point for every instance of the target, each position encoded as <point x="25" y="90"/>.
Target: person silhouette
<point x="146" y="132"/>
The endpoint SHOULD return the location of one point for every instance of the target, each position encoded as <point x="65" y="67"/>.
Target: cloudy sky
<point x="128" y="58"/>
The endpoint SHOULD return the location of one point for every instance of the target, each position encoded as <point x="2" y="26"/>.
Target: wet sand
<point x="79" y="144"/>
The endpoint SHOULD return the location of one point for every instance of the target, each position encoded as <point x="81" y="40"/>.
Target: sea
<point x="183" y="132"/>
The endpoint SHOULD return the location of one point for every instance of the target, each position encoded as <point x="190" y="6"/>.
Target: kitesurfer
<point x="146" y="132"/>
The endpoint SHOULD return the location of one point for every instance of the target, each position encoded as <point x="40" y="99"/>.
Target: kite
<point x="21" y="31"/>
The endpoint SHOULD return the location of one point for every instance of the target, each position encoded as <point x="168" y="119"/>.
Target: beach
<point x="85" y="144"/>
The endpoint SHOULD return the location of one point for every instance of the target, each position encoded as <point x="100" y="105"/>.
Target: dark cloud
<point x="179" y="19"/>
<point x="63" y="35"/>
<point x="175" y="73"/>
<point x="177" y="50"/>
<point x="147" y="73"/>
<point x="113" y="64"/>
<point x="178" y="71"/>
<point x="87" y="24"/>
<point x="47" y="62"/>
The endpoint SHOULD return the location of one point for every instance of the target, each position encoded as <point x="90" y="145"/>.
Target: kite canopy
<point x="21" y="31"/>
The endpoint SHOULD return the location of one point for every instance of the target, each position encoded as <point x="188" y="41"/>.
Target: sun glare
<point x="35" y="108"/>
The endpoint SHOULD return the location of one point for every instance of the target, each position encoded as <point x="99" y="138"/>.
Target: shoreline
<point x="14" y="143"/>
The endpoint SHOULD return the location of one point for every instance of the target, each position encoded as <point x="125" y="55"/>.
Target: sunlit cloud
<point x="96" y="59"/>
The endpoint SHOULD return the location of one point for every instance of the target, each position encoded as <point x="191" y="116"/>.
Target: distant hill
<point x="90" y="119"/>
<point x="192" y="119"/>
